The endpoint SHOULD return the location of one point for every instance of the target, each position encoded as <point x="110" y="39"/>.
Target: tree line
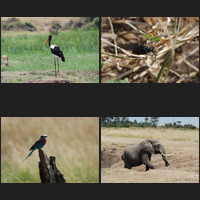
<point x="148" y="122"/>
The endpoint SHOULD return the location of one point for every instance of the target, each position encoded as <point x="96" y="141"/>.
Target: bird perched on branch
<point x="38" y="145"/>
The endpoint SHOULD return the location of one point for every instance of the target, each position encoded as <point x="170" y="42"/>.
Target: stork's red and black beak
<point x="49" y="39"/>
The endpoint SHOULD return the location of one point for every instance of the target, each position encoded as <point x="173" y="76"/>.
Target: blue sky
<point x="162" y="120"/>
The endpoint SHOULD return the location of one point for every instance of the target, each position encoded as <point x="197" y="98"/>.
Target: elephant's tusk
<point x="167" y="155"/>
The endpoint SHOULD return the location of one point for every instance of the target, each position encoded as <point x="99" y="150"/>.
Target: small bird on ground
<point x="38" y="145"/>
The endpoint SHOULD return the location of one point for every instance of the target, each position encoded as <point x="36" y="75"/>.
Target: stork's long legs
<point x="55" y="67"/>
<point x="58" y="64"/>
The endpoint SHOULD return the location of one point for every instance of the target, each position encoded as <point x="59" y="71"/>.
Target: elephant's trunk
<point x="166" y="155"/>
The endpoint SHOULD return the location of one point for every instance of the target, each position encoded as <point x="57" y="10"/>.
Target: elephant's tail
<point x="122" y="157"/>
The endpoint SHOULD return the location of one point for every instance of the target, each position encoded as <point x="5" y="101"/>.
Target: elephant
<point x="138" y="154"/>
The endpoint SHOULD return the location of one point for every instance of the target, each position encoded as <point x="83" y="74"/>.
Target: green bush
<point x="15" y="24"/>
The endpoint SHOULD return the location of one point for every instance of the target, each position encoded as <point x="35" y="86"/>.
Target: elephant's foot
<point x="166" y="164"/>
<point x="149" y="167"/>
<point x="127" y="166"/>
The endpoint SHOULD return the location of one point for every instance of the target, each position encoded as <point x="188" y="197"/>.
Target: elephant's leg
<point x="147" y="167"/>
<point x="166" y="162"/>
<point x="146" y="160"/>
<point x="127" y="165"/>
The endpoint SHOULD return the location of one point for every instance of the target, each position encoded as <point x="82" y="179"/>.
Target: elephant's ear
<point x="147" y="146"/>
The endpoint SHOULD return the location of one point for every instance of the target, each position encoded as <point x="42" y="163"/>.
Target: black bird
<point x="143" y="50"/>
<point x="56" y="51"/>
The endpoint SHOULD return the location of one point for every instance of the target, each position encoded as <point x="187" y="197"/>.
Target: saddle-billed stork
<point x="56" y="51"/>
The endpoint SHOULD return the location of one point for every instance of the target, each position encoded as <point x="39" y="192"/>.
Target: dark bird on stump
<point x="38" y="145"/>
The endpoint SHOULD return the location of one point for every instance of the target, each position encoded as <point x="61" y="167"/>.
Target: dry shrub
<point x="119" y="39"/>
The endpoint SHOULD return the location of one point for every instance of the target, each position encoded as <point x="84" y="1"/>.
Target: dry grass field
<point x="73" y="141"/>
<point x="184" y="164"/>
<point x="43" y="23"/>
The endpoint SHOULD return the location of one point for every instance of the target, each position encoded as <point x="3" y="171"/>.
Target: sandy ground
<point x="183" y="168"/>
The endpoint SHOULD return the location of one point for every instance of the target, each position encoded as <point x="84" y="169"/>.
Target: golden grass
<point x="152" y="133"/>
<point x="73" y="141"/>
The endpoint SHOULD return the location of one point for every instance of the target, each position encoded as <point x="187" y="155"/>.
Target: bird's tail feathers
<point x="29" y="154"/>
<point x="63" y="58"/>
<point x="25" y="158"/>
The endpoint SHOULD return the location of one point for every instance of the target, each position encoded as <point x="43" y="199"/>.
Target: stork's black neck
<point x="49" y="43"/>
<point x="49" y="38"/>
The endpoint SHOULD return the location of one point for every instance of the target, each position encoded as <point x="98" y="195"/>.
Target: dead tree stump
<point x="48" y="170"/>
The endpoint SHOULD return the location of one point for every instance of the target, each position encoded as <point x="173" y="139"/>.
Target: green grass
<point x="28" y="52"/>
<point x="17" y="175"/>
